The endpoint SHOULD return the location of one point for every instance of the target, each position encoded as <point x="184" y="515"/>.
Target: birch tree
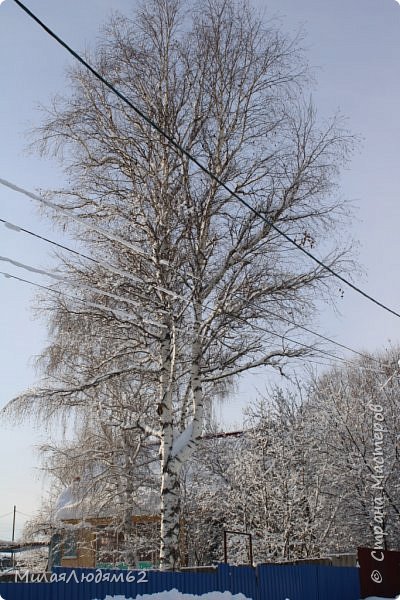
<point x="342" y="399"/>
<point x="117" y="468"/>
<point x="304" y="476"/>
<point x="274" y="485"/>
<point x="209" y="497"/>
<point x="200" y="289"/>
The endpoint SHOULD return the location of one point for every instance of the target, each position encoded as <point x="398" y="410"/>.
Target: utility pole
<point x="13" y="527"/>
<point x="13" y="536"/>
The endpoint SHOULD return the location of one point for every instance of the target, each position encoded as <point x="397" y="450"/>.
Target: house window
<point x="70" y="545"/>
<point x="55" y="551"/>
<point x="109" y="547"/>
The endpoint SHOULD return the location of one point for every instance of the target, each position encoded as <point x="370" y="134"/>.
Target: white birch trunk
<point x="170" y="516"/>
<point x="168" y="555"/>
<point x="174" y="453"/>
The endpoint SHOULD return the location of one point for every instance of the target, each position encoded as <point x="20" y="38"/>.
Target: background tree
<point x="340" y="403"/>
<point x="268" y="482"/>
<point x="200" y="286"/>
<point x="300" y="478"/>
<point x="207" y="494"/>
<point x="117" y="468"/>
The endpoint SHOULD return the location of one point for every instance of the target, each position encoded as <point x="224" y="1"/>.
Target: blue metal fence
<point x="277" y="582"/>
<point x="266" y="582"/>
<point x="338" y="582"/>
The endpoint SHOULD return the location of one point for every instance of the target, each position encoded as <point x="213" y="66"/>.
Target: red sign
<point x="379" y="572"/>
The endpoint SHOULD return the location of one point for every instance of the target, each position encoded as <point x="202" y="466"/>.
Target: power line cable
<point x="307" y="346"/>
<point x="117" y="312"/>
<point x="114" y="270"/>
<point x="323" y="337"/>
<point x="25" y="514"/>
<point x="18" y="228"/>
<point x="348" y="363"/>
<point x="182" y="150"/>
<point x="127" y="316"/>
<point x="6" y="514"/>
<point x="61" y="279"/>
<point x="94" y="228"/>
<point x="102" y="264"/>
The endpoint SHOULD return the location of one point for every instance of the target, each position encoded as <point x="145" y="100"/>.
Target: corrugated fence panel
<point x="149" y="582"/>
<point x="27" y="591"/>
<point x="238" y="580"/>
<point x="267" y="582"/>
<point x="338" y="582"/>
<point x="277" y="582"/>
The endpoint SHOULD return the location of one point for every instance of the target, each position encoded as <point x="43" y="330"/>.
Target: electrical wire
<point x="349" y="363"/>
<point x="194" y="160"/>
<point x="320" y="351"/>
<point x="18" y="228"/>
<point x="114" y="311"/>
<point x="19" y="512"/>
<point x="61" y="279"/>
<point x="287" y="339"/>
<point x="106" y="266"/>
<point x="69" y="215"/>
<point x="6" y="514"/>
<point x="327" y="339"/>
<point x="263" y="329"/>
<point x="128" y="317"/>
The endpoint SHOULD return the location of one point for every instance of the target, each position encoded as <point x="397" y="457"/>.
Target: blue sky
<point x="354" y="47"/>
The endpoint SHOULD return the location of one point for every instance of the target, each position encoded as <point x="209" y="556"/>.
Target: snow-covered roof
<point x="77" y="502"/>
<point x="73" y="502"/>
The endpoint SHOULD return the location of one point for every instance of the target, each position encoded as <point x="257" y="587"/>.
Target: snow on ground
<point x="176" y="595"/>
<point x="35" y="560"/>
<point x="378" y="598"/>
